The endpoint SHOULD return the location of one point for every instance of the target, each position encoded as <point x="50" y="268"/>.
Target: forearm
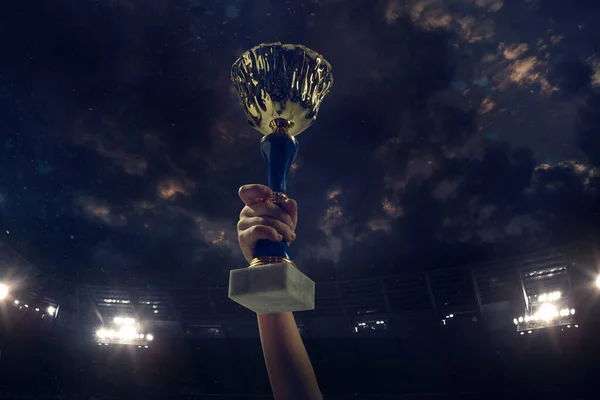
<point x="290" y="371"/>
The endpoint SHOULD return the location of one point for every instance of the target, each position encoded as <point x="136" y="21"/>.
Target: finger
<point x="255" y="193"/>
<point x="283" y="229"/>
<point x="268" y="209"/>
<point x="291" y="207"/>
<point x="250" y="236"/>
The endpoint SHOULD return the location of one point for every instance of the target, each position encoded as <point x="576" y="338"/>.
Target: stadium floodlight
<point x="548" y="312"/>
<point x="549" y="297"/>
<point x="128" y="332"/>
<point x="3" y="291"/>
<point x="124" y="321"/>
<point x="516" y="321"/>
<point x="598" y="281"/>
<point x="102" y="333"/>
<point x="125" y="331"/>
<point x="16" y="302"/>
<point x="51" y="310"/>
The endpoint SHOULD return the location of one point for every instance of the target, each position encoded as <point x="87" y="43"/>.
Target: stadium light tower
<point x="3" y="291"/>
<point x="548" y="301"/>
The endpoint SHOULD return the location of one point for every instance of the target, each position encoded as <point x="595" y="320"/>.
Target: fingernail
<point x="279" y="237"/>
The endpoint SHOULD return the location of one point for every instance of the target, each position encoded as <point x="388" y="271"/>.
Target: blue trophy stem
<point x="279" y="151"/>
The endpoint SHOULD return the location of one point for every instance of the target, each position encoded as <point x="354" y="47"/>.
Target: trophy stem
<point x="279" y="151"/>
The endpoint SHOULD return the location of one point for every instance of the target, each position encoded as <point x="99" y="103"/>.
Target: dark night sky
<point x="456" y="131"/>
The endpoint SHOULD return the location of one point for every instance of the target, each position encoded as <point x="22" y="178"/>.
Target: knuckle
<point x="245" y="211"/>
<point x="256" y="230"/>
<point x="289" y="222"/>
<point x="262" y="221"/>
<point x="243" y="239"/>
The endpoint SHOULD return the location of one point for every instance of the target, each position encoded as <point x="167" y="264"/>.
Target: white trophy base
<point x="272" y="288"/>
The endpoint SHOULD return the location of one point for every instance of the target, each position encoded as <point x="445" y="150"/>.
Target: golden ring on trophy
<point x="278" y="198"/>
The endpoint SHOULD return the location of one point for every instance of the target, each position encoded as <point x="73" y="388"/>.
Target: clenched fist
<point x="262" y="219"/>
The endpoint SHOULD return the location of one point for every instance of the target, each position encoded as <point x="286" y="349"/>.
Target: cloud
<point x="215" y="232"/>
<point x="446" y="189"/>
<point x="131" y="163"/>
<point x="393" y="11"/>
<point x="486" y="106"/>
<point x="108" y="141"/>
<point x="517" y="64"/>
<point x="490" y="5"/>
<point x="514" y="51"/>
<point x="595" y="65"/>
<point x="159" y="218"/>
<point x="330" y="225"/>
<point x="537" y="208"/>
<point x="522" y="71"/>
<point x="469" y="26"/>
<point x="424" y="129"/>
<point x="584" y="173"/>
<point x="337" y="229"/>
<point x="344" y="232"/>
<point x="429" y="14"/>
<point x="489" y="224"/>
<point x="502" y="94"/>
<point x="588" y="126"/>
<point x="168" y="189"/>
<point x="97" y="210"/>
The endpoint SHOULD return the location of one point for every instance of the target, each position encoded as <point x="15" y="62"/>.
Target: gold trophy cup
<point x="281" y="87"/>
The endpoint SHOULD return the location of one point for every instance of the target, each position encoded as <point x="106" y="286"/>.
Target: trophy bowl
<point x="281" y="86"/>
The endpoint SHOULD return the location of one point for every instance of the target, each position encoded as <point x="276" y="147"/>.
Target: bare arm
<point x="290" y="370"/>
